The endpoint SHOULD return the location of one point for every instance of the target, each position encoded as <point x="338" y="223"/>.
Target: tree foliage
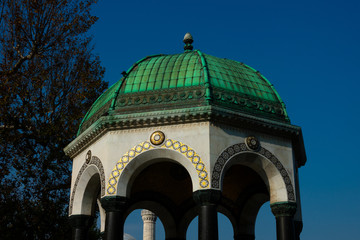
<point x="49" y="77"/>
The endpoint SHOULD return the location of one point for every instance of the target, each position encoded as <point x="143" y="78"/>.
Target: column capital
<point x="209" y="196"/>
<point x="283" y="209"/>
<point x="80" y="221"/>
<point x="114" y="203"/>
<point x="148" y="215"/>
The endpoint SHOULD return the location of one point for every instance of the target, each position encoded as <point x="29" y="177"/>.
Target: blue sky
<point x="309" y="50"/>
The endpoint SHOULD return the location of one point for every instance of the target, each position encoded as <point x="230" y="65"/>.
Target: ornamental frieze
<point x="245" y="101"/>
<point x="162" y="96"/>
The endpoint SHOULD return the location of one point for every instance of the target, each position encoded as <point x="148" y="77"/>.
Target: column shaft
<point x="208" y="223"/>
<point x="285" y="228"/>
<point x="114" y="226"/>
<point x="80" y="226"/>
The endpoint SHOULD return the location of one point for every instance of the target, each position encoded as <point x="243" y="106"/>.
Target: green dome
<point x="187" y="80"/>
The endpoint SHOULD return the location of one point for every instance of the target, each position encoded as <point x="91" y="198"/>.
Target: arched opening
<point x="265" y="228"/>
<point x="91" y="194"/>
<point x="91" y="204"/>
<point x="85" y="203"/>
<point x="226" y="231"/>
<point x="162" y="180"/>
<point x="192" y="230"/>
<point x="127" y="172"/>
<point x="244" y="192"/>
<point x="165" y="188"/>
<point x="134" y="227"/>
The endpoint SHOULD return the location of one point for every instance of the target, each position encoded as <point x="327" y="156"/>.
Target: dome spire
<point x="188" y="40"/>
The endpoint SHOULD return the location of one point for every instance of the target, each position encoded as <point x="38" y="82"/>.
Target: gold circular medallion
<point x="157" y="138"/>
<point x="252" y="143"/>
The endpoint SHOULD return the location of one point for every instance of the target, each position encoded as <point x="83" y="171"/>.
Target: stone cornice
<point x="178" y="116"/>
<point x="136" y="120"/>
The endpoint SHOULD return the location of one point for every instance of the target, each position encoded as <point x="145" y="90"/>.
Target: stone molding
<point x="96" y="162"/>
<point x="236" y="149"/>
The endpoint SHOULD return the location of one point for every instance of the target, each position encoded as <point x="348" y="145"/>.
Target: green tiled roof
<point x="185" y="80"/>
<point x="164" y="72"/>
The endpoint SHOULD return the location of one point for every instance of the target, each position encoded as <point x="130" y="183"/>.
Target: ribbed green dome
<point x="186" y="80"/>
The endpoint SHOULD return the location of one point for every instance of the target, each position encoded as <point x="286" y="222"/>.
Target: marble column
<point x="149" y="219"/>
<point x="208" y="222"/>
<point x="284" y="214"/>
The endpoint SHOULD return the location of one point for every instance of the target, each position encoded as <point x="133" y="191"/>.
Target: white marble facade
<point x="198" y="147"/>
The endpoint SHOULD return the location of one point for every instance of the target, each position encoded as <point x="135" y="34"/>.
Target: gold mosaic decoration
<point x="145" y="146"/>
<point x="193" y="157"/>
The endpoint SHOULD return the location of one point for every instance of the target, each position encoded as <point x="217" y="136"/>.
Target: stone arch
<point x="275" y="169"/>
<point x="86" y="177"/>
<point x="170" y="149"/>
